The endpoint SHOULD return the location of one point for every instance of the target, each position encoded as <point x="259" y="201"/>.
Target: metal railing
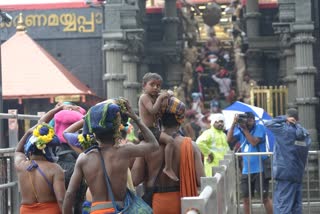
<point x="9" y="190"/>
<point x="221" y="193"/>
<point x="273" y="99"/>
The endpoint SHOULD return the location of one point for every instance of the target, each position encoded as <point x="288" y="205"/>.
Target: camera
<point x="242" y="118"/>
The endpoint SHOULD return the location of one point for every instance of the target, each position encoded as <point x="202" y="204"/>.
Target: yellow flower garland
<point x="43" y="140"/>
<point x="86" y="141"/>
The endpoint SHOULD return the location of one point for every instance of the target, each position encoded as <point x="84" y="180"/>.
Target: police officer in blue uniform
<point x="289" y="160"/>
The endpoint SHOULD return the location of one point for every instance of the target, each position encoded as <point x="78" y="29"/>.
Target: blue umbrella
<point x="260" y="114"/>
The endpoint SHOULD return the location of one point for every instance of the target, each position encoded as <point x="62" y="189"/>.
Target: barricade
<point x="311" y="184"/>
<point x="217" y="192"/>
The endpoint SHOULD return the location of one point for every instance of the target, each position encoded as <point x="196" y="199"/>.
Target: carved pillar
<point x="113" y="48"/>
<point x="253" y="59"/>
<point x="170" y="21"/>
<point x="123" y="41"/>
<point x="254" y="64"/>
<point x="173" y="46"/>
<point x="252" y="17"/>
<point x="283" y="28"/>
<point x="131" y="84"/>
<point x="305" y="70"/>
<point x="114" y="76"/>
<point x="290" y="78"/>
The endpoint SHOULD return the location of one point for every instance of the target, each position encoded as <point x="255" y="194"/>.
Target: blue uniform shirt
<point x="290" y="150"/>
<point x="257" y="131"/>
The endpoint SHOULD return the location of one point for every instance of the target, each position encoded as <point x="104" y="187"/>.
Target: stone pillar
<point x="131" y="84"/>
<point x="254" y="64"/>
<point x="283" y="28"/>
<point x="252" y="17"/>
<point x="114" y="46"/>
<point x="173" y="51"/>
<point x="290" y="78"/>
<point x="253" y="59"/>
<point x="122" y="35"/>
<point x="305" y="70"/>
<point x="170" y="21"/>
<point x="114" y="76"/>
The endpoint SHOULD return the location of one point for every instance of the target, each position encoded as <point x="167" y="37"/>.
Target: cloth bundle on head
<point x="121" y="103"/>
<point x="82" y="141"/>
<point x="63" y="119"/>
<point x="196" y="96"/>
<point x="176" y="107"/>
<point x="216" y="117"/>
<point x="102" y="118"/>
<point x="42" y="138"/>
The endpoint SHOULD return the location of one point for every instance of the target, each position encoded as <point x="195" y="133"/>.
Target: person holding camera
<point x="251" y="136"/>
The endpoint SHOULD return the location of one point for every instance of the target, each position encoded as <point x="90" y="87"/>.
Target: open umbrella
<point x="260" y="114"/>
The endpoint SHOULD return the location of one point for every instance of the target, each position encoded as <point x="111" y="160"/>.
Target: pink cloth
<point x="63" y="119"/>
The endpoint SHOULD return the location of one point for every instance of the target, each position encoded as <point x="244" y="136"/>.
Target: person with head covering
<point x="81" y="142"/>
<point x="191" y="128"/>
<point x="197" y="103"/>
<point x="289" y="160"/>
<point x="40" y="179"/>
<point x="109" y="161"/>
<point x="63" y="118"/>
<point x="162" y="193"/>
<point x="252" y="137"/>
<point x="213" y="143"/>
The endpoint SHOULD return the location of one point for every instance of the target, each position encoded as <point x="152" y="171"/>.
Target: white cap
<point x="216" y="117"/>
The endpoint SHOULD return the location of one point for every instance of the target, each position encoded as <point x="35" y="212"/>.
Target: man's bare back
<point x="154" y="163"/>
<point x="53" y="172"/>
<point x="116" y="158"/>
<point x="117" y="167"/>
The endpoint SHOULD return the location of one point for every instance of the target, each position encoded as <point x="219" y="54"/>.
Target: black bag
<point x="267" y="168"/>
<point x="147" y="196"/>
<point x="148" y="191"/>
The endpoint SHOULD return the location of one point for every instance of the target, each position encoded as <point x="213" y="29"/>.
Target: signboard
<point x="67" y="98"/>
<point x="63" y="23"/>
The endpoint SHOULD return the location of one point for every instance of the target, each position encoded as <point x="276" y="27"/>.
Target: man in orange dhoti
<point x="41" y="180"/>
<point x="108" y="161"/>
<point x="187" y="165"/>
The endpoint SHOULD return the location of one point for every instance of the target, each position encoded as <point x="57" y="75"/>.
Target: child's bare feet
<point x="170" y="173"/>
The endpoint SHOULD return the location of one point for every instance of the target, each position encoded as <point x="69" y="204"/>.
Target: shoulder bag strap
<point x="36" y="166"/>
<point x="108" y="183"/>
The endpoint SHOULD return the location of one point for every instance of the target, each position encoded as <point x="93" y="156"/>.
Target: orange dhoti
<point x="166" y="203"/>
<point x="168" y="199"/>
<point x="102" y="207"/>
<point x="40" y="208"/>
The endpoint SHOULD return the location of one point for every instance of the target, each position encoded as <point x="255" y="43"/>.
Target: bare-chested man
<point x="104" y="119"/>
<point x="41" y="180"/>
<point x="166" y="192"/>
